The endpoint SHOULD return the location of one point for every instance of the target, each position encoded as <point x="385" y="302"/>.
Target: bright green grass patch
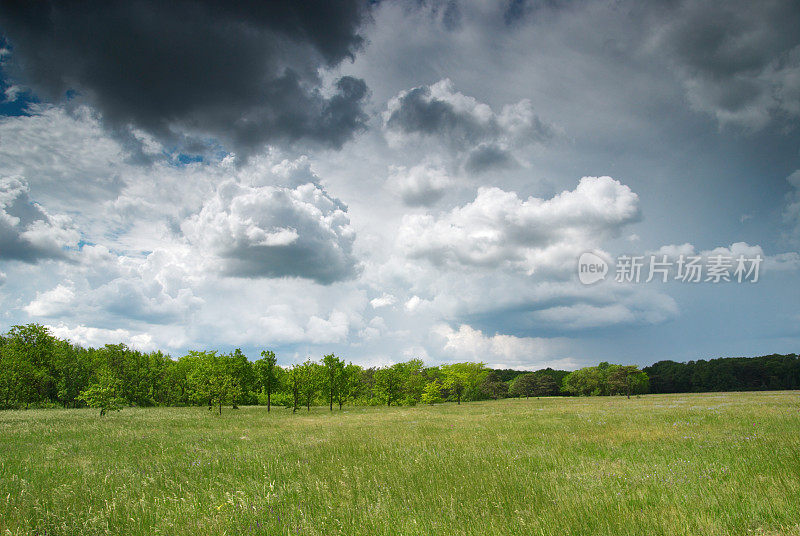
<point x="704" y="464"/>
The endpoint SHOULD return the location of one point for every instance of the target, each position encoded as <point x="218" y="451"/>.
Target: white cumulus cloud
<point x="498" y="229"/>
<point x="28" y="233"/>
<point x="502" y="351"/>
<point x="276" y="231"/>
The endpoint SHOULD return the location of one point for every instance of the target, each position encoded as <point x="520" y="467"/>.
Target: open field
<point x="709" y="464"/>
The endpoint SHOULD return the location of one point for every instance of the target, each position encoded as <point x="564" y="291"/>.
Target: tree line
<point x="40" y="370"/>
<point x="766" y="373"/>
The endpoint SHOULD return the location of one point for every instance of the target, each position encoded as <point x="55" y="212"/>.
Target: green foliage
<point x="545" y="385"/>
<point x="539" y="383"/>
<point x="294" y="382"/>
<point x="627" y="380"/>
<point x="332" y="378"/>
<point x="267" y="375"/>
<point x="523" y="385"/>
<point x="389" y="384"/>
<point x="282" y="398"/>
<point x="494" y="387"/>
<point x="770" y="372"/>
<point x="29" y="373"/>
<point x="312" y="381"/>
<point x="462" y="380"/>
<point x="242" y="378"/>
<point x="350" y="386"/>
<point x="585" y="381"/>
<point x="39" y="370"/>
<point x="103" y="394"/>
<point x="606" y="379"/>
<point x="412" y="375"/>
<point x="432" y="394"/>
<point x="213" y="380"/>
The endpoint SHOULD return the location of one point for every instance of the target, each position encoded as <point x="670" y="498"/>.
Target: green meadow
<point x="700" y="464"/>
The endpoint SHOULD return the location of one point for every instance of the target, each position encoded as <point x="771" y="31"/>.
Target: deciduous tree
<point x="266" y="372"/>
<point x="333" y="369"/>
<point x="388" y="384"/>
<point x="103" y="393"/>
<point x="627" y="379"/>
<point x="432" y="392"/>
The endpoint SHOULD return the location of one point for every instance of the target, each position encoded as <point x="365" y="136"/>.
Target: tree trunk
<point x="220" y="406"/>
<point x="268" y="398"/>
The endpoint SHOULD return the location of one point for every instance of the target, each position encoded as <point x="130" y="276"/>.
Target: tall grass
<point x="710" y="464"/>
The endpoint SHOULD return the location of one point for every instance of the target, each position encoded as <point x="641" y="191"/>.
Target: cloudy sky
<point x="401" y="179"/>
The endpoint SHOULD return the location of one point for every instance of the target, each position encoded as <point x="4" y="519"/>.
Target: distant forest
<point x="766" y="373"/>
<point x="40" y="370"/>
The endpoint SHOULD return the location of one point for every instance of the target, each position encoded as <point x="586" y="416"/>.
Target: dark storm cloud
<point x="480" y="138"/>
<point x="519" y="11"/>
<point x="245" y="73"/>
<point x="486" y="157"/>
<point x="420" y="112"/>
<point x="739" y="60"/>
<point x="321" y="264"/>
<point x="451" y="18"/>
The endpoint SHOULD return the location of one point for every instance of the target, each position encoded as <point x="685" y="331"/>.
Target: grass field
<point x="704" y="464"/>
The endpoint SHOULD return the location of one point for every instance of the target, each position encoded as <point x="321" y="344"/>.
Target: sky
<point x="394" y="180"/>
